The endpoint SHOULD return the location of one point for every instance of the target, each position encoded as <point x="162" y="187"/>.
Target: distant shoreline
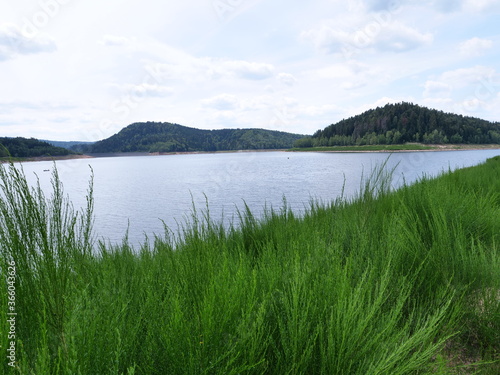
<point x="43" y="158"/>
<point x="337" y="149"/>
<point x="429" y="147"/>
<point x="418" y="147"/>
<point x="128" y="154"/>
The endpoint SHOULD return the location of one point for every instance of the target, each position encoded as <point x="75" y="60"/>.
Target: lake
<point x="139" y="192"/>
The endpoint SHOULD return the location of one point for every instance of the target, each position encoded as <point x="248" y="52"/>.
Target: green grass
<point x="403" y="282"/>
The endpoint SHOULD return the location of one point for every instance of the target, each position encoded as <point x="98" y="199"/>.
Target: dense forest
<point x="167" y="137"/>
<point x="405" y="122"/>
<point x="29" y="147"/>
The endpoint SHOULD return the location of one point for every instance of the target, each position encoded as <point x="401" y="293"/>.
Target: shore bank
<point x="119" y="154"/>
<point x="44" y="158"/>
<point x="408" y="147"/>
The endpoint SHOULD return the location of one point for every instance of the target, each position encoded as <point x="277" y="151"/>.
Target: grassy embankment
<point x="406" y="282"/>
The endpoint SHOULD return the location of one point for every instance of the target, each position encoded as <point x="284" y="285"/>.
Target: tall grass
<point x="388" y="282"/>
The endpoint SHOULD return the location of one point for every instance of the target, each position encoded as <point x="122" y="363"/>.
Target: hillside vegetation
<point x="29" y="147"/>
<point x="167" y="137"/>
<point x="403" y="282"/>
<point x="405" y="122"/>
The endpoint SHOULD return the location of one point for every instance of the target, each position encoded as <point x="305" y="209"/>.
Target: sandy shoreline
<point x="44" y="158"/>
<point x="433" y="148"/>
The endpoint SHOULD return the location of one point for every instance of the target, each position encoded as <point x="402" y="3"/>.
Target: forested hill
<point x="167" y="137"/>
<point x="29" y="147"/>
<point x="405" y="122"/>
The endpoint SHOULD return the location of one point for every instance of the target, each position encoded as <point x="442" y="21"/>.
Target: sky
<point x="81" y="70"/>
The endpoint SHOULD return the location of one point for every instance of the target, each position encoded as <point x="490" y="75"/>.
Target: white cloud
<point x="377" y="35"/>
<point x="335" y="71"/>
<point x="197" y="70"/>
<point x="247" y="70"/>
<point x="445" y="104"/>
<point x="143" y="90"/>
<point x="18" y="116"/>
<point x="352" y="75"/>
<point x="222" y="102"/>
<point x="353" y="85"/>
<point x="436" y="88"/>
<point x="287" y="79"/>
<point x="397" y="37"/>
<point x="475" y="47"/>
<point x="467" y="76"/>
<point x="445" y="6"/>
<point x="458" y="5"/>
<point x="13" y="43"/>
<point x="151" y="90"/>
<point x="25" y="105"/>
<point x="482" y="5"/>
<point x="224" y="119"/>
<point x="319" y="110"/>
<point x="465" y="90"/>
<point x="113" y="40"/>
<point x="326" y="38"/>
<point x="383" y="5"/>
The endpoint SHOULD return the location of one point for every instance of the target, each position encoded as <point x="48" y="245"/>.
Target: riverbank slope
<point x="385" y="283"/>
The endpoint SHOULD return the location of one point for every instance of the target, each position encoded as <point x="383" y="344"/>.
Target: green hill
<point x="20" y="147"/>
<point x="405" y="122"/>
<point x="167" y="137"/>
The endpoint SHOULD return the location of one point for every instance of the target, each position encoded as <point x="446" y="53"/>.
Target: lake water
<point x="142" y="191"/>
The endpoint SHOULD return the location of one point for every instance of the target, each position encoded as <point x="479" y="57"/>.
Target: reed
<point x="387" y="282"/>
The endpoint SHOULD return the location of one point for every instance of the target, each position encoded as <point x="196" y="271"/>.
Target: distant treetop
<point x="28" y="147"/>
<point x="405" y="122"/>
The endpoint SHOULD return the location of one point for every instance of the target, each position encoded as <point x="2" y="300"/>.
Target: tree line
<point x="20" y="147"/>
<point x="405" y="122"/>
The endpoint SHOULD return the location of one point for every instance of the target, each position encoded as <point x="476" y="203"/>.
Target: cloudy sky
<point x="84" y="69"/>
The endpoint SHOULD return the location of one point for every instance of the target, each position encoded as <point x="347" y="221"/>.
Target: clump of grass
<point x="48" y="242"/>
<point x="388" y="282"/>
